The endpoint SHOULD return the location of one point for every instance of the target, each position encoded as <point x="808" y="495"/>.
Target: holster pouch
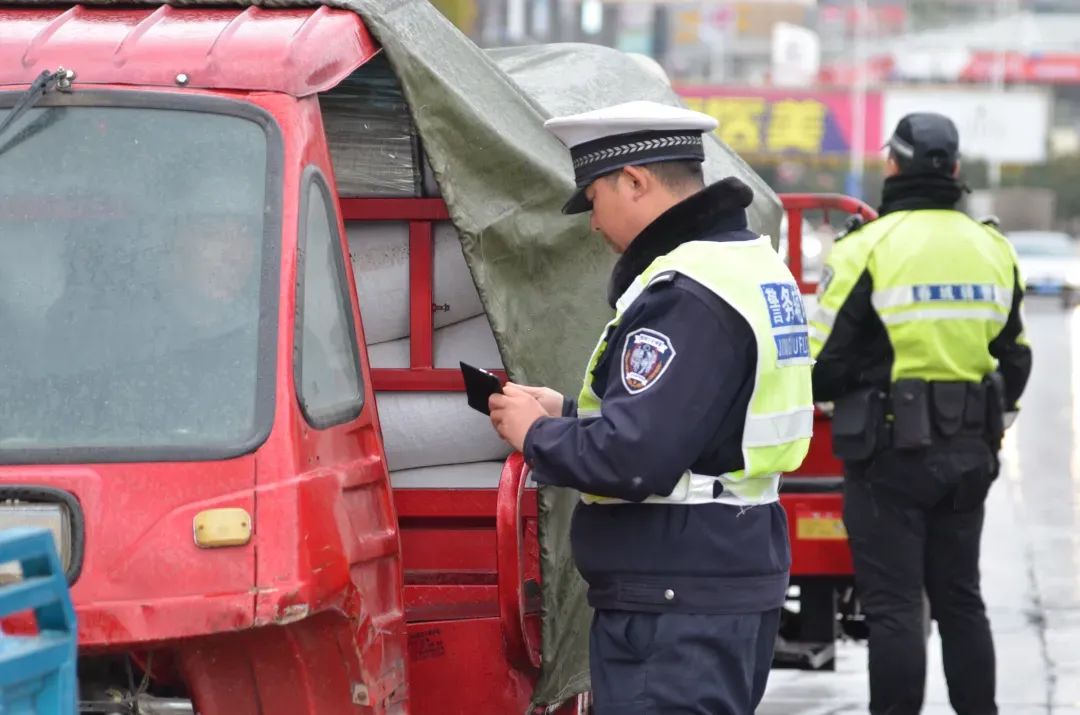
<point x="977" y="471"/>
<point x="911" y="415"/>
<point x="949" y="401"/>
<point x="976" y="409"/>
<point x="857" y="423"/>
<point x="995" y="408"/>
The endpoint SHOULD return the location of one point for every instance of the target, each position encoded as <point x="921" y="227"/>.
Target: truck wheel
<point x="807" y="639"/>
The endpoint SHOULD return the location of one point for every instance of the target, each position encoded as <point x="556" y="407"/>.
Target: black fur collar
<point x="920" y="191"/>
<point x="716" y="209"/>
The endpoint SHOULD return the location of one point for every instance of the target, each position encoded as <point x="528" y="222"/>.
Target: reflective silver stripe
<point x="892" y="298"/>
<point x="586" y="414"/>
<point x="818" y="334"/>
<point x="908" y="316"/>
<point x="903" y="296"/>
<point x="824" y="316"/>
<point x="778" y="428"/>
<point x="693" y="489"/>
<point x="637" y="287"/>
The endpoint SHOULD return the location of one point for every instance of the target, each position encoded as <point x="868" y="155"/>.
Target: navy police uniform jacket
<point x="715" y="558"/>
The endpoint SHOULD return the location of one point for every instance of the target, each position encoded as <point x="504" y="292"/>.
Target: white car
<point x="1049" y="263"/>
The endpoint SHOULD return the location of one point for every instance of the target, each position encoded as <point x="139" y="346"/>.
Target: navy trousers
<point x="902" y="550"/>
<point x="679" y="663"/>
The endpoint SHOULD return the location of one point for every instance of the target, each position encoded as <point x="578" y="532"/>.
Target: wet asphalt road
<point x="1031" y="556"/>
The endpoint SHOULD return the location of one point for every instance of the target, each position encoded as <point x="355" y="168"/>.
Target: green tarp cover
<point x="541" y="275"/>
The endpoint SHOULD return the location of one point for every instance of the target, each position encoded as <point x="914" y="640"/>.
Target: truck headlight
<point x="56" y="518"/>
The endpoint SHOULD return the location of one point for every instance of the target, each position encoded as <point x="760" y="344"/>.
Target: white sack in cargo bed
<point x="422" y="429"/>
<point x="480" y="475"/>
<point x="470" y="341"/>
<point x="380" y="258"/>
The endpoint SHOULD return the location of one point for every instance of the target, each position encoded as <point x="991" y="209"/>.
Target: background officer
<point x="695" y="399"/>
<point x="919" y="342"/>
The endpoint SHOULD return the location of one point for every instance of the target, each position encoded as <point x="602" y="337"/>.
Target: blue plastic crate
<point x="37" y="673"/>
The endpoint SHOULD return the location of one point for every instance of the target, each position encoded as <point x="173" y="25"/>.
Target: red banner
<point x="1036" y="69"/>
<point x="1017" y="68"/>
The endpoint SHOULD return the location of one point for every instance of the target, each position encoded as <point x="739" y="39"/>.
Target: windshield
<point x="131" y="252"/>
<point x="1043" y="245"/>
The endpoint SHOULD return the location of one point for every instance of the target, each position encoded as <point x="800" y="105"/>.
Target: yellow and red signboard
<point x="776" y="121"/>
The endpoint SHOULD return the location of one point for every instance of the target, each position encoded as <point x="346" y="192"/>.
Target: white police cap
<point x="630" y="134"/>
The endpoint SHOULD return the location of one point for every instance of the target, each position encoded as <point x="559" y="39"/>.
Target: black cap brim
<point x="609" y="154"/>
<point x="578" y="204"/>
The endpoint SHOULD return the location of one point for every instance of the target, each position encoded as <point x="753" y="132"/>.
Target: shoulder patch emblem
<point x="646" y="355"/>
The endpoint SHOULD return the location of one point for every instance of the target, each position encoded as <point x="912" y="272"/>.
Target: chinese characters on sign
<point x="797" y="124"/>
<point x="774" y="122"/>
<point x="788" y="317"/>
<point x="785" y="304"/>
<point x="740" y="119"/>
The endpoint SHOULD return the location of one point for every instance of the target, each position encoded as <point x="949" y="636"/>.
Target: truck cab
<point x="186" y="386"/>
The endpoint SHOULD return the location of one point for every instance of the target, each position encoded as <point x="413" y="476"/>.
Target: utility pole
<point x="612" y="14"/>
<point x="661" y="32"/>
<point x="857" y="166"/>
<point x="516" y="21"/>
<point x="997" y="84"/>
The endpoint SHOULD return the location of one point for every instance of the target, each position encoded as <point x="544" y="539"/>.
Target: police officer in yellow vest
<point x="695" y="400"/>
<point x="919" y="343"/>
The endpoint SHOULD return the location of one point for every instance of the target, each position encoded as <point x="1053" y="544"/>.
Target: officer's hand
<point x="513" y="413"/>
<point x="549" y="399"/>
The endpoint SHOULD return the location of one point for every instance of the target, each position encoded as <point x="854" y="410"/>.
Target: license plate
<point x="52" y="517"/>
<point x="820" y="526"/>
